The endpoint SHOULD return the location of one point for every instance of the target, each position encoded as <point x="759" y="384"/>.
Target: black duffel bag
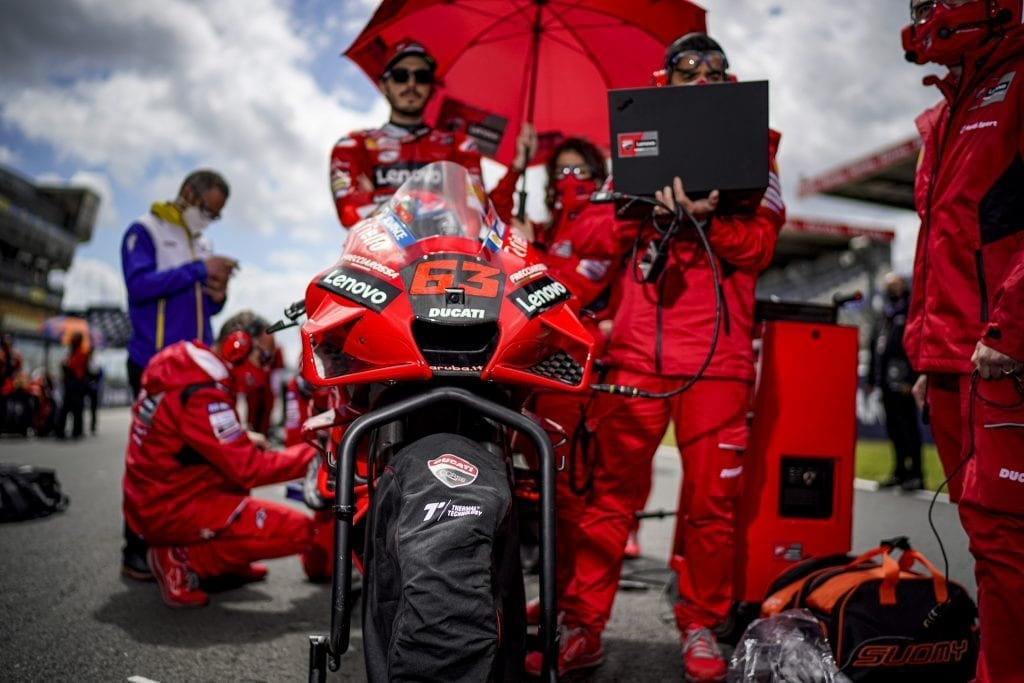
<point x="28" y="492"/>
<point x="886" y="622"/>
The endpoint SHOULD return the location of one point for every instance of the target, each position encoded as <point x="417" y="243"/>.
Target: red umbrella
<point x="546" y="61"/>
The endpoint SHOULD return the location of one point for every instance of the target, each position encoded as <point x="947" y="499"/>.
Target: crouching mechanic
<point x="190" y="465"/>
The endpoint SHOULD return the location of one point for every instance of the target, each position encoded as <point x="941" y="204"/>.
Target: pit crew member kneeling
<point x="190" y="465"/>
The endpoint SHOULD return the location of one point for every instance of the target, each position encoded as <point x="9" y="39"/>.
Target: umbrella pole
<point x="531" y="93"/>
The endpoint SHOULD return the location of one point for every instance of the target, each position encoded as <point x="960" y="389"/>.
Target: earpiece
<point x="236" y="347"/>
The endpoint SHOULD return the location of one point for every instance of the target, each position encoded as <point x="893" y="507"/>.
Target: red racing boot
<point x="179" y="585"/>
<point x="702" y="658"/>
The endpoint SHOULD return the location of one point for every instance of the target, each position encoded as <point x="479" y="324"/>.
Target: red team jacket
<point x="666" y="328"/>
<point x="969" y="269"/>
<point x="187" y="451"/>
<point x="387" y="157"/>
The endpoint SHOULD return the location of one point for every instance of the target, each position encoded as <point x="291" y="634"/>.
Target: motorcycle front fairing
<point x="434" y="284"/>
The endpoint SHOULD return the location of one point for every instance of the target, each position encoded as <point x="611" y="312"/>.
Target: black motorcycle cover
<point x="443" y="588"/>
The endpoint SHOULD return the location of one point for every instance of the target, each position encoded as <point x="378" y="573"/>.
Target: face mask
<point x="195" y="220"/>
<point x="572" y="194"/>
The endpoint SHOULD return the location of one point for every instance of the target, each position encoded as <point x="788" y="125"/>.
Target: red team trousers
<point x="710" y="422"/>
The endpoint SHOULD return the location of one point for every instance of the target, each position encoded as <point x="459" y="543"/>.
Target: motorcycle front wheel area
<point x="443" y="595"/>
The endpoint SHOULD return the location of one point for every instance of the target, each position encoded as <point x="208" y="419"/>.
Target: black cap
<point x="408" y="48"/>
<point x="701" y="42"/>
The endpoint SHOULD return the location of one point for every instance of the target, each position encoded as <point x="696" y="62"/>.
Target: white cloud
<point x="230" y="86"/>
<point x="91" y="282"/>
<point x="8" y="156"/>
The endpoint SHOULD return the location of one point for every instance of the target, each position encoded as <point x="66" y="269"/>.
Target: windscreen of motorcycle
<point x="439" y="200"/>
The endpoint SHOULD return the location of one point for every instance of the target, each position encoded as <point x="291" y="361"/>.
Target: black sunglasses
<point x="421" y="76"/>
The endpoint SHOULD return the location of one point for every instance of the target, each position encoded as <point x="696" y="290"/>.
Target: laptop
<point x="714" y="137"/>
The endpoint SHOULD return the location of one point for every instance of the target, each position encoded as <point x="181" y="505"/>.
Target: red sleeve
<point x="210" y="425"/>
<point x="502" y="196"/>
<point x="348" y="162"/>
<point x="599" y="234"/>
<point x="748" y="242"/>
<point x="1005" y="331"/>
<point x="586" y="278"/>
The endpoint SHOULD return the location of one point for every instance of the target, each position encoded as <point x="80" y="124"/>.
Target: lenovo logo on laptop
<point x="638" y="144"/>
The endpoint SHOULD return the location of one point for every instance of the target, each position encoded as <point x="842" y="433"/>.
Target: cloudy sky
<point x="127" y="97"/>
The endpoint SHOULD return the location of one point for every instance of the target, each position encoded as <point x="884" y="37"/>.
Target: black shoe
<point x="912" y="484"/>
<point x="890" y="482"/>
<point x="135" y="566"/>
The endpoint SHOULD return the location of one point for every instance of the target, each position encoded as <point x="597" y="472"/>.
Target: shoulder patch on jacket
<point x="225" y="426"/>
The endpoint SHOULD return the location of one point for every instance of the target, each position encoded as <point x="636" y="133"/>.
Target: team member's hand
<point x="920" y="391"/>
<point x="258" y="440"/>
<point x="526" y="145"/>
<point x="525" y="228"/>
<point x="992" y="364"/>
<point x="365" y="184"/>
<point x="699" y="209"/>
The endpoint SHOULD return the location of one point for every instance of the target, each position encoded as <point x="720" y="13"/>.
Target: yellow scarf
<point x="167" y="212"/>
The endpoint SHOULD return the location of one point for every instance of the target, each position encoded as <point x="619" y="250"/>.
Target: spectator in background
<point x="175" y="284"/>
<point x="965" y="328"/>
<point x="890" y="371"/>
<point x="93" y="388"/>
<point x="10" y="364"/>
<point x="74" y="370"/>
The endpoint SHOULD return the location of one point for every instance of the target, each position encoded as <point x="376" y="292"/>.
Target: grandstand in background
<point x="883" y="178"/>
<point x="40" y="226"/>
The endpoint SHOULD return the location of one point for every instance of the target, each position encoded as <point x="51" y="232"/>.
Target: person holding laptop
<point x="661" y="334"/>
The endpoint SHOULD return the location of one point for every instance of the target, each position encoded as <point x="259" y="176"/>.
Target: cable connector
<point x="618" y="390"/>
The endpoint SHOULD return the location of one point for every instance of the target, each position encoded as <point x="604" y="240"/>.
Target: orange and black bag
<point x="884" y="620"/>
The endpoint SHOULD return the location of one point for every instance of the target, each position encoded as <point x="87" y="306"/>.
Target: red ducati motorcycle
<point x="438" y="320"/>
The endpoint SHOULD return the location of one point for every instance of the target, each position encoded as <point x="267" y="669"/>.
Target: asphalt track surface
<point x="67" y="615"/>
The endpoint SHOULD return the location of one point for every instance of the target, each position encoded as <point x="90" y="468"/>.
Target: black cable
<point x="699" y="227"/>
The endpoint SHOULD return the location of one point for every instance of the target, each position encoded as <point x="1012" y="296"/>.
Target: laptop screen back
<point x="714" y="137"/>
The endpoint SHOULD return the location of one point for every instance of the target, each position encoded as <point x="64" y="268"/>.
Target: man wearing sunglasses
<point x="965" y="326"/>
<point x="661" y="333"/>
<point x="175" y="284"/>
<point x="367" y="166"/>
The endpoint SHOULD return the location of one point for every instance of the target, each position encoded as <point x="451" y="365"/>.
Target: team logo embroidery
<point x="453" y="471"/>
<point x="225" y="425"/>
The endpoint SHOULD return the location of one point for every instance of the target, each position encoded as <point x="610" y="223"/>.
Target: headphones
<point x="237" y="345"/>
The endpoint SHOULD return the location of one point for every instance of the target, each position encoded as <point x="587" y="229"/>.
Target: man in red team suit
<point x="661" y="334"/>
<point x="965" y="327"/>
<point x="367" y="166"/>
<point x="190" y="465"/>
